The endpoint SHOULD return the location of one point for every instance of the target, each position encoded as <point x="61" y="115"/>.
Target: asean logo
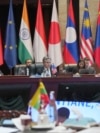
<point x="24" y="34"/>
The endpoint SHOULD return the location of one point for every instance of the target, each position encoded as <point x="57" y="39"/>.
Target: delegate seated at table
<point x="88" y="67"/>
<point x="47" y="70"/>
<point x="29" y="69"/>
<point x="84" y="67"/>
<point x="80" y="67"/>
<point x="25" y="69"/>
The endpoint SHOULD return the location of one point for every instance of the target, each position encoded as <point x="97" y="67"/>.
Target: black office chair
<point x="21" y="69"/>
<point x="39" y="67"/>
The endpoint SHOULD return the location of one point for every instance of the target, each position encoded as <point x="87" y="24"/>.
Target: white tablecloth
<point x="91" y="130"/>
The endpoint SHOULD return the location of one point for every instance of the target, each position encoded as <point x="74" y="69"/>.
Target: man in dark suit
<point x="47" y="70"/>
<point x="89" y="69"/>
<point x="29" y="69"/>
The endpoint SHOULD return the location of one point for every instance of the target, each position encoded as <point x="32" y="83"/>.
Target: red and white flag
<point x="39" y="42"/>
<point x="54" y="44"/>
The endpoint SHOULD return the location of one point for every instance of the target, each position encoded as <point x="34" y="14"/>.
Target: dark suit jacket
<point x="40" y="70"/>
<point x="31" y="70"/>
<point x="22" y="70"/>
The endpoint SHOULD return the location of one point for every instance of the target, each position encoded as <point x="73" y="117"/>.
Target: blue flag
<point x="70" y="53"/>
<point x="10" y="53"/>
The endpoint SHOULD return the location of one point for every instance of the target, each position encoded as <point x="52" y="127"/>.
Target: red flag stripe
<point x="40" y="27"/>
<point x="54" y="39"/>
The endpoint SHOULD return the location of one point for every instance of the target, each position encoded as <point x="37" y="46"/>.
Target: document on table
<point x="8" y="130"/>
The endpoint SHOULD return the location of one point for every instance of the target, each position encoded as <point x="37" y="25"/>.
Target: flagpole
<point x="10" y="71"/>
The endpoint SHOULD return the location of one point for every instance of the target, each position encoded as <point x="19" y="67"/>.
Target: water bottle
<point x="53" y="115"/>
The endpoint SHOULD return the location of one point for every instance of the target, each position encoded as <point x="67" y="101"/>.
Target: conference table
<point x="87" y="83"/>
<point x="8" y="82"/>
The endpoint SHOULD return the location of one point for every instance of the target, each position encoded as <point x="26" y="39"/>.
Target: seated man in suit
<point x="29" y="68"/>
<point x="25" y="69"/>
<point x="88" y="67"/>
<point x="48" y="70"/>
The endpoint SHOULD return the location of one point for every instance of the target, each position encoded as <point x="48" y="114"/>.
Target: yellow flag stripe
<point x="36" y="97"/>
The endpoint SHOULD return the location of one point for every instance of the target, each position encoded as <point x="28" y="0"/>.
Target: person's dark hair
<point x="27" y="60"/>
<point x="46" y="58"/>
<point x="80" y="60"/>
<point x="63" y="112"/>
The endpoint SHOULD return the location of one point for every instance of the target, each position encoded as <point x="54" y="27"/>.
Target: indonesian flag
<point x="25" y="50"/>
<point x="39" y="42"/>
<point x="54" y="47"/>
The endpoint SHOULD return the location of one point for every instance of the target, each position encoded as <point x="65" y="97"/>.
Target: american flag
<point x="53" y="69"/>
<point x="86" y="46"/>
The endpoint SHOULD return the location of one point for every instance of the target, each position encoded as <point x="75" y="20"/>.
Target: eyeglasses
<point x="47" y="62"/>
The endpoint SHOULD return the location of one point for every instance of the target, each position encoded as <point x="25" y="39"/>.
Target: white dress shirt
<point x="46" y="72"/>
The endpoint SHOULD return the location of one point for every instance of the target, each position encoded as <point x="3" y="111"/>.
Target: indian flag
<point x="40" y="95"/>
<point x="25" y="43"/>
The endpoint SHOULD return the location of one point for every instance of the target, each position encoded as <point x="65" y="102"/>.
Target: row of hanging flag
<point x="36" y="51"/>
<point x="86" y="47"/>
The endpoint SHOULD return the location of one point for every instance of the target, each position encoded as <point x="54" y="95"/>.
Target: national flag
<point x="53" y="69"/>
<point x="10" y="52"/>
<point x="70" y="52"/>
<point x="40" y="95"/>
<point x="25" y="43"/>
<point x="54" y="46"/>
<point x="97" y="41"/>
<point x="1" y="50"/>
<point x="86" y="46"/>
<point x="39" y="42"/>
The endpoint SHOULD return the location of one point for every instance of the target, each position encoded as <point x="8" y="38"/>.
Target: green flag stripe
<point x="23" y="52"/>
<point x="37" y="105"/>
<point x="43" y="91"/>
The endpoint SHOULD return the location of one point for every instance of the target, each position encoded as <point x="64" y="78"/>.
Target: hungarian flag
<point x="97" y="41"/>
<point x="25" y="44"/>
<point x="70" y="52"/>
<point x="40" y="95"/>
<point x="1" y="50"/>
<point x="53" y="69"/>
<point x="54" y="46"/>
<point x="39" y="41"/>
